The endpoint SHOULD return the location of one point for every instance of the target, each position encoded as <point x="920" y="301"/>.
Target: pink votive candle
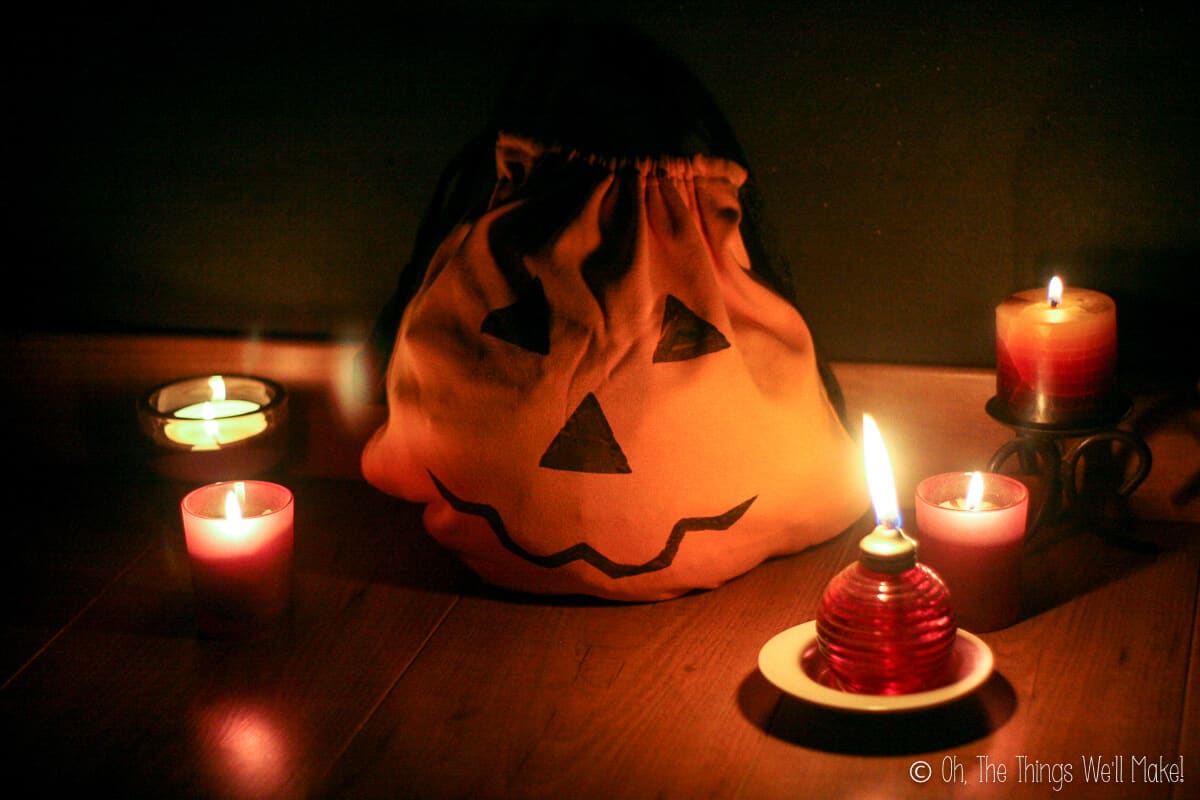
<point x="239" y="540"/>
<point x="975" y="544"/>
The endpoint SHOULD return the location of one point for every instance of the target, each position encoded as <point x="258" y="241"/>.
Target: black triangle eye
<point x="685" y="335"/>
<point x="586" y="443"/>
<point x="525" y="323"/>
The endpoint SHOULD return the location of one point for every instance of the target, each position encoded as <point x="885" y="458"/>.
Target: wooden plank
<point x="519" y="697"/>
<point x="130" y="700"/>
<point x="67" y="541"/>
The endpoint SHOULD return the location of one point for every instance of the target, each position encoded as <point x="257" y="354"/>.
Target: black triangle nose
<point x="586" y="443"/>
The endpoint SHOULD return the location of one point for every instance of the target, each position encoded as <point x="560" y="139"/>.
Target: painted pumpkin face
<point x="593" y="393"/>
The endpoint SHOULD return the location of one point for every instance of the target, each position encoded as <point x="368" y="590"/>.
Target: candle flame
<point x="1055" y="292"/>
<point x="880" y="482"/>
<point x="975" y="491"/>
<point x="233" y="507"/>
<point x="216" y="392"/>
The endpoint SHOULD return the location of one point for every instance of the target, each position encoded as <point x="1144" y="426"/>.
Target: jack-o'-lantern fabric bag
<point x="593" y="392"/>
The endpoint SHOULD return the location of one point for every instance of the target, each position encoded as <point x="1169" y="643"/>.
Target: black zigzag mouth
<point x="585" y="552"/>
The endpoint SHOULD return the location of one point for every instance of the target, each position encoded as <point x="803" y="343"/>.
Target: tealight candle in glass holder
<point x="210" y="427"/>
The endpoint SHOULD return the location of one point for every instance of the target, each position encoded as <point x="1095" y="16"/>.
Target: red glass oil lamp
<point x="885" y="624"/>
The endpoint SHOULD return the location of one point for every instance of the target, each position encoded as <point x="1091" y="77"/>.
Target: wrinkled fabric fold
<point x="593" y="393"/>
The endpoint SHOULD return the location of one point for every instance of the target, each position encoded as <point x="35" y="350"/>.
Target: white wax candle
<point x="216" y="409"/>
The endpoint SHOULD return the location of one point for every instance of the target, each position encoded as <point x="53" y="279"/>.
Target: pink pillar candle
<point x="975" y="545"/>
<point x="1056" y="353"/>
<point x="239" y="540"/>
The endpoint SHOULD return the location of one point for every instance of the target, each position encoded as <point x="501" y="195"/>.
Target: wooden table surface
<point x="397" y="674"/>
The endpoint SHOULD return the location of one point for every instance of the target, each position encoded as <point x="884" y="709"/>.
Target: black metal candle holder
<point x="1058" y="444"/>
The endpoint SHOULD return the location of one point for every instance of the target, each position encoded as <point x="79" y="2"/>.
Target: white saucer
<point x="792" y="661"/>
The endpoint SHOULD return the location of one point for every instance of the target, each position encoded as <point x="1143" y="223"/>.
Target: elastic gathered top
<point x="516" y="148"/>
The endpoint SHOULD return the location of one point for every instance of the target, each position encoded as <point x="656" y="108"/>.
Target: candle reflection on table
<point x="246" y="749"/>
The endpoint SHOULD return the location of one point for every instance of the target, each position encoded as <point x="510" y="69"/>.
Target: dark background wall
<point x="263" y="172"/>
